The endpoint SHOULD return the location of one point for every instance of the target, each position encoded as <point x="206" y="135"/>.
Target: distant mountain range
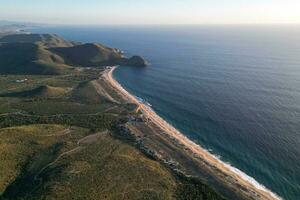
<point x="17" y="23"/>
<point x="50" y="54"/>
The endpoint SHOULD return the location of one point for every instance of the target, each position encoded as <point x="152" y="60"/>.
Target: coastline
<point x="233" y="176"/>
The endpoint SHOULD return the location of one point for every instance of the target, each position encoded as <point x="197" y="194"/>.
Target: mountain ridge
<point x="49" y="54"/>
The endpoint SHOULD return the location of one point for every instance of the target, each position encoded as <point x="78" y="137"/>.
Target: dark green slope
<point x="49" y="40"/>
<point x="29" y="58"/>
<point x="48" y="54"/>
<point x="86" y="55"/>
<point x="92" y="92"/>
<point x="43" y="91"/>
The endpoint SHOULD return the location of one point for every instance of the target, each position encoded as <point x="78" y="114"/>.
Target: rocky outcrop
<point x="134" y="61"/>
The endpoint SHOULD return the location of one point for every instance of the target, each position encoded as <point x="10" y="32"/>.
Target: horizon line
<point x="146" y="24"/>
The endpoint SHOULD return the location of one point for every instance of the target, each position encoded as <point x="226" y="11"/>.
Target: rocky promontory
<point x="134" y="61"/>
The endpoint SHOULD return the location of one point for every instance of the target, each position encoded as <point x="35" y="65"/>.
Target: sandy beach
<point x="234" y="177"/>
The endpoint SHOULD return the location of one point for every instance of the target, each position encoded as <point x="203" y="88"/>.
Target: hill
<point x="58" y="148"/>
<point x="88" y="55"/>
<point x="29" y="58"/>
<point x="48" y="40"/>
<point x="92" y="92"/>
<point x="44" y="91"/>
<point x="93" y="55"/>
<point x="59" y="162"/>
<point x="48" y="54"/>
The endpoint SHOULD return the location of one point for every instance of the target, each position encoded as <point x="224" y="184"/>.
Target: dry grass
<point x="102" y="168"/>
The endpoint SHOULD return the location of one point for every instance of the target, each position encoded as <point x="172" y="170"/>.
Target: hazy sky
<point x="151" y="11"/>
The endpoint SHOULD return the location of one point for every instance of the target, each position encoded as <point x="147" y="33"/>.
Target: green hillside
<point x="63" y="162"/>
<point x="29" y="58"/>
<point x="59" y="130"/>
<point x="92" y="92"/>
<point x="88" y="55"/>
<point x="48" y="40"/>
<point x="58" y="162"/>
<point x="43" y="91"/>
<point x="51" y="55"/>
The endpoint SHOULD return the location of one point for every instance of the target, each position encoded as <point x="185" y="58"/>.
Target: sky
<point x="151" y="11"/>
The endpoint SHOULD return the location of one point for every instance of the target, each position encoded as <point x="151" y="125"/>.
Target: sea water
<point x="235" y="90"/>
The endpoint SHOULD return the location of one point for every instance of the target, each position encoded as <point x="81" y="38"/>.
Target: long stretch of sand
<point x="255" y="189"/>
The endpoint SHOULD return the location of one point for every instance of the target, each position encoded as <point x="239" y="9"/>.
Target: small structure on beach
<point x="21" y="80"/>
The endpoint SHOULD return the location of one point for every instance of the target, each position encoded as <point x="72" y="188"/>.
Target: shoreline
<point x="237" y="177"/>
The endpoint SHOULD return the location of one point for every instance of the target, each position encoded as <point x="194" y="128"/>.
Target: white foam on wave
<point x="242" y="174"/>
<point x="233" y="169"/>
<point x="141" y="100"/>
<point x="246" y="177"/>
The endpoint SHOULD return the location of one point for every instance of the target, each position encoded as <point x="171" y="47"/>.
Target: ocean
<point x="235" y="90"/>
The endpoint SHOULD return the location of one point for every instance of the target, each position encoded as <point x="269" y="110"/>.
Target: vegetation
<point x="94" y="121"/>
<point x="63" y="162"/>
<point x="43" y="91"/>
<point x="29" y="58"/>
<point x="193" y="189"/>
<point x="88" y="55"/>
<point x="20" y="148"/>
<point x="33" y="135"/>
<point x="49" y="40"/>
<point x="58" y="136"/>
<point x="46" y="162"/>
<point x="92" y="92"/>
<point x="47" y="54"/>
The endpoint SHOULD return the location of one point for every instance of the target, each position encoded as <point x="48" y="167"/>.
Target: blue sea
<point x="235" y="90"/>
